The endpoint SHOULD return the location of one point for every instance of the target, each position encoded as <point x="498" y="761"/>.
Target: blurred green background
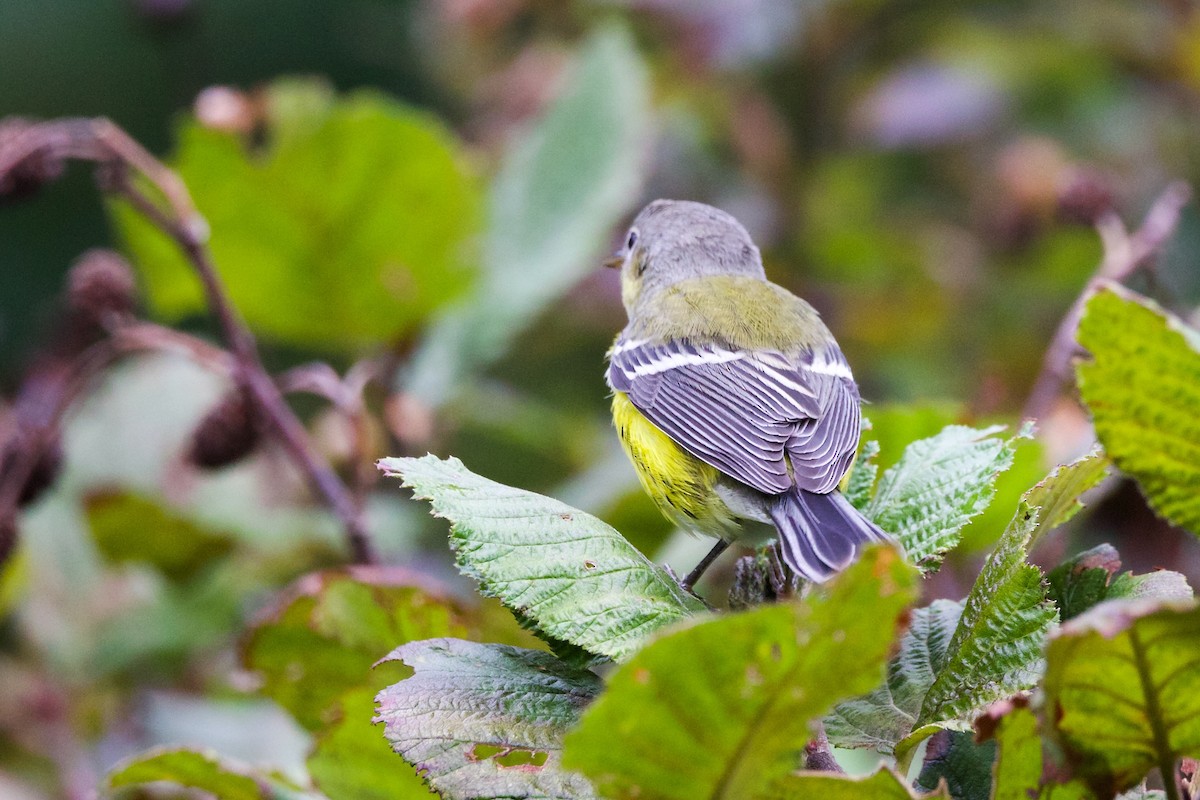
<point x="433" y="184"/>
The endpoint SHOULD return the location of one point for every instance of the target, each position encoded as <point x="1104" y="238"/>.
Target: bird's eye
<point x="632" y="240"/>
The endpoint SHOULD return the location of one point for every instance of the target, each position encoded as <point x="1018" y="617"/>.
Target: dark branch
<point x="1124" y="255"/>
<point x="121" y="159"/>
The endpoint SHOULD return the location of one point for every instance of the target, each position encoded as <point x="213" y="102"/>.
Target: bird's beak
<point x="615" y="262"/>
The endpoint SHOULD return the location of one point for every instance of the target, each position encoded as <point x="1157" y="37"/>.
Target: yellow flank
<point x="679" y="483"/>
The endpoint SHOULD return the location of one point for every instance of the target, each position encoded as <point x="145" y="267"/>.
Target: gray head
<point x="674" y="240"/>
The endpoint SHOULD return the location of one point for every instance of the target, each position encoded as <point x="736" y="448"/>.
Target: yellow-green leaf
<point x="1142" y="386"/>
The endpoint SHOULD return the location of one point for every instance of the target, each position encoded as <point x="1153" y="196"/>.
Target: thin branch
<point x="101" y="141"/>
<point x="818" y="755"/>
<point x="1124" y="255"/>
<point x="138" y="336"/>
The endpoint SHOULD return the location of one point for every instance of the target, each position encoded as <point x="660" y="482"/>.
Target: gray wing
<point x="741" y="411"/>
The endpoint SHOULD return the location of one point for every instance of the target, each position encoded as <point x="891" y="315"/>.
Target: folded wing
<point x="742" y="411"/>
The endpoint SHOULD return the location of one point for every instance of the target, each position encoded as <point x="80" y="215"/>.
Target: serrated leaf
<point x="1161" y="584"/>
<point x="882" y="785"/>
<point x="860" y="483"/>
<point x="573" y="576"/>
<point x="194" y="769"/>
<point x="486" y="721"/>
<point x="354" y="221"/>
<point x="1057" y="497"/>
<point x="559" y="192"/>
<point x="721" y="708"/>
<point x="936" y="487"/>
<point x="1121" y="690"/>
<point x="884" y="717"/>
<point x="1142" y="386"/>
<point x="996" y="649"/>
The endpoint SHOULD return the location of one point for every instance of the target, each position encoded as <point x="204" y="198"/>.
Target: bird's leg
<point x="779" y="575"/>
<point x="704" y="564"/>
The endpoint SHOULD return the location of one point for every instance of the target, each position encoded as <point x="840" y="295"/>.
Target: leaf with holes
<point x="486" y="721"/>
<point x="570" y="574"/>
<point x="721" y="708"/>
<point x="1121" y="690"/>
<point x="936" y="487"/>
<point x="996" y="648"/>
<point x="886" y="716"/>
<point x="1142" y="386"/>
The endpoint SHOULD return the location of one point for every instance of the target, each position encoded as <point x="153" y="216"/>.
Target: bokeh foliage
<point x="437" y="194"/>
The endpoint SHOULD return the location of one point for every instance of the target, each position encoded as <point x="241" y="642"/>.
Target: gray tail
<point x="820" y="534"/>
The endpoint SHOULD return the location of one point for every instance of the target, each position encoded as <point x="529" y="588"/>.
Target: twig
<point x="101" y="141"/>
<point x="346" y="396"/>
<point x="136" y="336"/>
<point x="818" y="755"/>
<point x="1124" y="255"/>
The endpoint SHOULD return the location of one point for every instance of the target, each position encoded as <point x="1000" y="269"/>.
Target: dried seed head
<point x="46" y="466"/>
<point x="44" y="474"/>
<point x="227" y="434"/>
<point x="101" y="284"/>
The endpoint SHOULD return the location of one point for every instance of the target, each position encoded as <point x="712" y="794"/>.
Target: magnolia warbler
<point x="730" y="396"/>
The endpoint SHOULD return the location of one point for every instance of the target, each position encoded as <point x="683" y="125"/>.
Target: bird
<point x="730" y="395"/>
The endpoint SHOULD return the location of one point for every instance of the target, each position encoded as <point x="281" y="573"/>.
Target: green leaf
<point x="1143" y="389"/>
<point x="1018" y="770"/>
<point x="1082" y="582"/>
<point x="335" y="626"/>
<point x="193" y="769"/>
<point x="882" y="785"/>
<point x="347" y="228"/>
<point x="573" y="576"/>
<point x="1091" y="578"/>
<point x="886" y="716"/>
<point x="996" y="648"/>
<point x="130" y="528"/>
<point x="1057" y="497"/>
<point x="936" y="487"/>
<point x="860" y="484"/>
<point x="1121" y="690"/>
<point x="722" y="707"/>
<point x="966" y="767"/>
<point x="162" y="634"/>
<point x="486" y="721"/>
<point x="560" y="191"/>
<point x="350" y="760"/>
<point x="897" y="425"/>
